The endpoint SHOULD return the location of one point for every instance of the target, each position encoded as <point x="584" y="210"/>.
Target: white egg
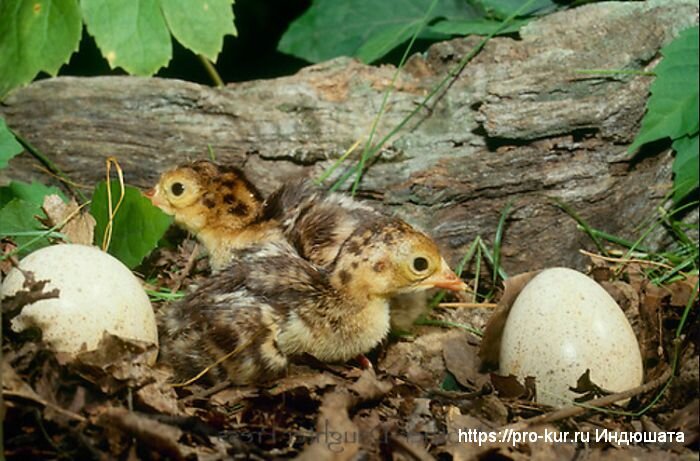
<point x="97" y="293"/>
<point x="561" y="324"/>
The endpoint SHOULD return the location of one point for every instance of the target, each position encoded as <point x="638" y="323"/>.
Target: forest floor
<point x="421" y="400"/>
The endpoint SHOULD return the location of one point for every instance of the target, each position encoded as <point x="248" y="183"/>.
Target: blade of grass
<point x="488" y="256"/>
<point x="387" y="94"/>
<point x="164" y="295"/>
<point x="581" y="222"/>
<point x="44" y="234"/>
<point x="497" y="241"/>
<point x="477" y="270"/>
<point x="41" y="233"/>
<point x="614" y="72"/>
<point x="52" y="167"/>
<point x="451" y="75"/>
<point x="612" y="238"/>
<point x="448" y="324"/>
<point x="326" y="174"/>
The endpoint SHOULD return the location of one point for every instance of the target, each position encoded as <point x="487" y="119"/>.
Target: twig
<point x="42" y="402"/>
<point x="204" y="393"/>
<point x="576" y="410"/>
<point x="187" y="269"/>
<point x="611" y="259"/>
<point x="469" y="305"/>
<point x="66" y="181"/>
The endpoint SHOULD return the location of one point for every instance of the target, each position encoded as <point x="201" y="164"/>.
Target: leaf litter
<point x="423" y="391"/>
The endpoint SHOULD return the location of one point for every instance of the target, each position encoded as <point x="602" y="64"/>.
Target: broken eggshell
<point x="97" y="293"/>
<point x="561" y="324"/>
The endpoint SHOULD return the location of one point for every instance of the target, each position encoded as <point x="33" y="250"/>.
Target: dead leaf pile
<point x="429" y="396"/>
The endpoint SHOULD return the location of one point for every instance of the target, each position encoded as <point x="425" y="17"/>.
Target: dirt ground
<point x="428" y="395"/>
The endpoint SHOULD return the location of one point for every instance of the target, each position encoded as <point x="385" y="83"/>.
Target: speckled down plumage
<point x="274" y="305"/>
<point x="217" y="204"/>
<point x="317" y="223"/>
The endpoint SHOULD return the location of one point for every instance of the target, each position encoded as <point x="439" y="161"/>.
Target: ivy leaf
<point x="132" y="35"/>
<point x="9" y="147"/>
<point x="137" y="225"/>
<point x="33" y="193"/>
<point x="672" y="109"/>
<point x="200" y="26"/>
<point x="36" y="36"/>
<point x="135" y="35"/>
<point x="19" y="218"/>
<point x="330" y="28"/>
<point x="686" y="166"/>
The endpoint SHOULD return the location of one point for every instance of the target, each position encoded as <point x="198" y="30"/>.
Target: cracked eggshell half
<point x="97" y="293"/>
<point x="561" y="324"/>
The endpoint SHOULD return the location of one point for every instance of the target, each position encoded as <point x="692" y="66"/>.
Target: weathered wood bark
<point x="519" y="123"/>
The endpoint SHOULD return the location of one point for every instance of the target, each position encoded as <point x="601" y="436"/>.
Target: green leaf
<point x="9" y="147"/>
<point x="131" y="34"/>
<point x="137" y="225"/>
<point x="476" y="27"/>
<point x="200" y="26"/>
<point x="331" y="28"/>
<point x="686" y="166"/>
<point x="20" y="216"/>
<point x="504" y="8"/>
<point x="38" y="35"/>
<point x="672" y="109"/>
<point x="33" y="193"/>
<point x="450" y="383"/>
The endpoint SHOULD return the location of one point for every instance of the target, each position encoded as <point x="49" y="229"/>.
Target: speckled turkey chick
<point x="272" y="305"/>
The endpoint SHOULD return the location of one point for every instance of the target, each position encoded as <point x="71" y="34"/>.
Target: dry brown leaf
<point x="368" y="387"/>
<point x="461" y="355"/>
<point x="234" y="394"/>
<point x="307" y="379"/>
<point x="159" y="395"/>
<point x="682" y="290"/>
<point x="338" y="436"/>
<point x="687" y="420"/>
<point x="491" y="341"/>
<point x="117" y="362"/>
<point x="419" y="360"/>
<point x="508" y="387"/>
<point x="78" y="229"/>
<point x="162" y="438"/>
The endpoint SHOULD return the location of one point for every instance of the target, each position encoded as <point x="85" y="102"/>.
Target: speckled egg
<point x="561" y="324"/>
<point x="97" y="293"/>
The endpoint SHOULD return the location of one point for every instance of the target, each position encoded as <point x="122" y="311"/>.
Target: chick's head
<point x="389" y="257"/>
<point x="202" y="194"/>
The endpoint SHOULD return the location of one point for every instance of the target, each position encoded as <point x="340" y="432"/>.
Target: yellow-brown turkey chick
<point x="217" y="204"/>
<point x="273" y="305"/>
<point x="317" y="223"/>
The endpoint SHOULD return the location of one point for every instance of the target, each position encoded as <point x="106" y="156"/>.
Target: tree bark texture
<point x="519" y="124"/>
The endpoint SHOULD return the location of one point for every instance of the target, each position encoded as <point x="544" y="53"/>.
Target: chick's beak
<point x="444" y="278"/>
<point x="152" y="195"/>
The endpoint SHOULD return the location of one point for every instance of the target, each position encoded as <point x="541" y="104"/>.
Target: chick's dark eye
<point x="177" y="189"/>
<point x="420" y="264"/>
